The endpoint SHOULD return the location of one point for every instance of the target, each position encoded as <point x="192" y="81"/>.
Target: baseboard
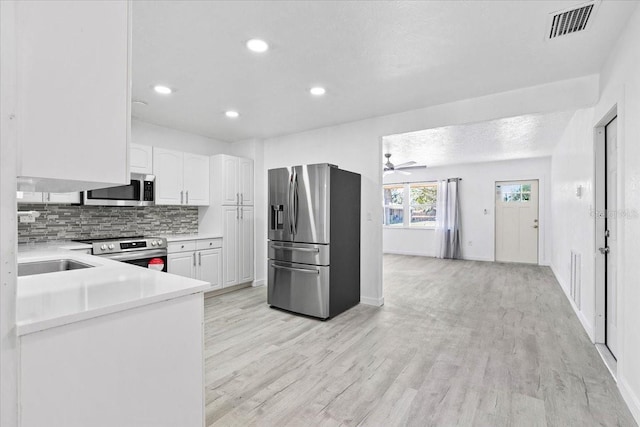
<point x="377" y="302"/>
<point x="257" y="283"/>
<point x="408" y="253"/>
<point x="586" y="325"/>
<point x="473" y="258"/>
<point x="630" y="398"/>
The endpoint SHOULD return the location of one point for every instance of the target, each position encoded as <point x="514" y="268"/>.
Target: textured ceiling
<point x="374" y="58"/>
<point x="503" y="139"/>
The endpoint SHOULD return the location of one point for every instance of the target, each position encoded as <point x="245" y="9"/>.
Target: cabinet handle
<point x="194" y="259"/>
<point x="242" y="199"/>
<point x="181" y="194"/>
<point x="237" y="198"/>
<point x="187" y="202"/>
<point x="199" y="258"/>
<point x="237" y="213"/>
<point x="241" y="213"/>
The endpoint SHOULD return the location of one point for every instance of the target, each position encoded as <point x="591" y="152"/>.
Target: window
<point x="394" y="205"/>
<point x="410" y="205"/>
<point x="514" y="193"/>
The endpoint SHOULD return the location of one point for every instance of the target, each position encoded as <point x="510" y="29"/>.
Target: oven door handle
<point x="136" y="255"/>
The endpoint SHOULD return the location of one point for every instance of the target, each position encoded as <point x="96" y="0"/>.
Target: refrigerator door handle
<point x="290" y="202"/>
<point x="294" y="198"/>
<point x="291" y="248"/>
<point x="296" y="269"/>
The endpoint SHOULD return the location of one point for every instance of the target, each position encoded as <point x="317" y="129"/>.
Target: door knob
<point x="604" y="250"/>
<point x="535" y="226"/>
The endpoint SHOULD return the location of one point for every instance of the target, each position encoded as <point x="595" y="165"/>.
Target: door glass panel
<point x="515" y="193"/>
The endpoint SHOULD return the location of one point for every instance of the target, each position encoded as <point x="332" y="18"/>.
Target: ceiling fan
<point x="390" y="168"/>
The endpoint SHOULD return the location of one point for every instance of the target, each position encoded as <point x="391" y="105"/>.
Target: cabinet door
<point x="245" y="181"/>
<point x="196" y="179"/>
<point x="168" y="169"/>
<point x="141" y="159"/>
<point x="245" y="245"/>
<point x="210" y="267"/>
<point x="29" y="197"/>
<point x="230" y="191"/>
<point x="182" y="264"/>
<point x="68" y="52"/>
<point x="230" y="215"/>
<point x="62" y="198"/>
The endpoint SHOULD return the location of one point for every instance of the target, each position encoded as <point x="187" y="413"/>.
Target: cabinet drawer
<point x="208" y="244"/>
<point x="182" y="246"/>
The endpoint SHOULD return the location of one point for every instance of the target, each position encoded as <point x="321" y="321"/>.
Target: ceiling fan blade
<point x="416" y="167"/>
<point x="403" y="172"/>
<point x="386" y="173"/>
<point x="406" y="164"/>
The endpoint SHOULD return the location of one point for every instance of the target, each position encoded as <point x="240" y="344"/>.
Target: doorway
<point x="516" y="226"/>
<point x="610" y="249"/>
<point x="607" y="220"/>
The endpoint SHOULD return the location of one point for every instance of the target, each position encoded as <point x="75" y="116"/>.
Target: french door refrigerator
<point x="314" y="240"/>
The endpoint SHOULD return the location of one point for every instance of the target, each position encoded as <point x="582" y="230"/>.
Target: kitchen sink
<point x="49" y="266"/>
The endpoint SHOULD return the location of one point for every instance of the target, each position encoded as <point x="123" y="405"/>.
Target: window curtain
<point x="448" y="219"/>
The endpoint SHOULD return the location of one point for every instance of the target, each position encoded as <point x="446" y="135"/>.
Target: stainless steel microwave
<point x="141" y="191"/>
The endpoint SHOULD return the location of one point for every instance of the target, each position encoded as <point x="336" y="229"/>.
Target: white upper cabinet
<point x="245" y="181"/>
<point x="52" y="198"/>
<point x="73" y="94"/>
<point x="181" y="178"/>
<point x="141" y="159"/>
<point x="228" y="172"/>
<point x="196" y="179"/>
<point x="233" y="178"/>
<point x="168" y="169"/>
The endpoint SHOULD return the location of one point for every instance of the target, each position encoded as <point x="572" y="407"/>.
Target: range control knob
<point x="111" y="246"/>
<point x="103" y="247"/>
<point x="153" y="243"/>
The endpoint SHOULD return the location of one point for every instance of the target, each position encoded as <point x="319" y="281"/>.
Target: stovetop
<point x="107" y="239"/>
<point x="114" y="245"/>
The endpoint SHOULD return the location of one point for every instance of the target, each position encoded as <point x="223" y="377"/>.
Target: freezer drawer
<point x="303" y="253"/>
<point x="299" y="288"/>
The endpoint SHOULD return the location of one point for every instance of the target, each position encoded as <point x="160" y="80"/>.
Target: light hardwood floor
<point x="456" y="343"/>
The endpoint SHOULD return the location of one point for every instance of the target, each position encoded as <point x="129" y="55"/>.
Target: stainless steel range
<point x="148" y="252"/>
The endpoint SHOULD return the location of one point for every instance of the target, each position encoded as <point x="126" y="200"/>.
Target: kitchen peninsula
<point x="105" y="343"/>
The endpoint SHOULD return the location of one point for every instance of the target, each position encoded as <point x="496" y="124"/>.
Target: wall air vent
<point x="570" y="21"/>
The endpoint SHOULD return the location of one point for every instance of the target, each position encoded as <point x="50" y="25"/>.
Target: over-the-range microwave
<point x="139" y="192"/>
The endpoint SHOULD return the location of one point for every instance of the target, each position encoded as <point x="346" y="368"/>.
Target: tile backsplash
<point x="67" y="222"/>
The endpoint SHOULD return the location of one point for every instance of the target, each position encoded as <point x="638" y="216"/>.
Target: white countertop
<point x="53" y="245"/>
<point x="53" y="299"/>
<point x="197" y="236"/>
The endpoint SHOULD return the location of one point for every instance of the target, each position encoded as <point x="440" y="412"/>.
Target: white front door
<point x="517" y="221"/>
<point x="611" y="309"/>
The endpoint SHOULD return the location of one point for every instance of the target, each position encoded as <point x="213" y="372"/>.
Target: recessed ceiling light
<point x="138" y="102"/>
<point x="232" y="114"/>
<point x="317" y="91"/>
<point x="164" y="90"/>
<point x="257" y="45"/>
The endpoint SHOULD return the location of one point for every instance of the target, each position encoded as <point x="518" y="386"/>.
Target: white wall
<point x="477" y="193"/>
<point x="573" y="226"/>
<point x="159" y="136"/>
<point x="357" y="146"/>
<point x="8" y="226"/>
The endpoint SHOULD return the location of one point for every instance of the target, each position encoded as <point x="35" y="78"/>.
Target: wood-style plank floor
<point x="456" y="343"/>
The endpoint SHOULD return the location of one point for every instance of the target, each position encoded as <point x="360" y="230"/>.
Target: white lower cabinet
<point x="197" y="259"/>
<point x="182" y="264"/>
<point x="238" y="244"/>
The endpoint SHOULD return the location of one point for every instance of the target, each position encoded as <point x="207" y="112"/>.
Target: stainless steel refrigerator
<point x="314" y="240"/>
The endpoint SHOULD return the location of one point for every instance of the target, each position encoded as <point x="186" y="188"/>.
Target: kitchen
<point x="208" y="227"/>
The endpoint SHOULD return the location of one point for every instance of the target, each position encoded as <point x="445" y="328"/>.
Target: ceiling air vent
<point x="570" y="21"/>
